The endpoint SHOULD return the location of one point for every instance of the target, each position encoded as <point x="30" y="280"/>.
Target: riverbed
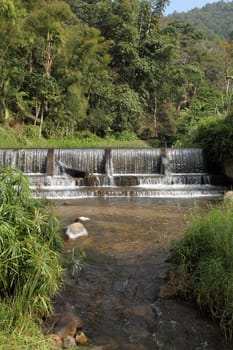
<point x="117" y="290"/>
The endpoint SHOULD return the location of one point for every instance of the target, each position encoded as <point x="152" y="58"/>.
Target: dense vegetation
<point x="30" y="252"/>
<point x="215" y="134"/>
<point x="109" y="69"/>
<point x="215" y="18"/>
<point x="15" y="138"/>
<point x="202" y="265"/>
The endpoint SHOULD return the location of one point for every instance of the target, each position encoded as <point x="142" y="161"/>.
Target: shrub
<point x="32" y="131"/>
<point x="215" y="134"/>
<point x="126" y="136"/>
<point x="201" y="265"/>
<point x="30" y="246"/>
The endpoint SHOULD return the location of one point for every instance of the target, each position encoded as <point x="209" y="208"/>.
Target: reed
<point x="30" y="248"/>
<point x="201" y="265"/>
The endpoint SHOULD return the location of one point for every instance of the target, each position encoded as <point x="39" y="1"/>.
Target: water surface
<point x="117" y="291"/>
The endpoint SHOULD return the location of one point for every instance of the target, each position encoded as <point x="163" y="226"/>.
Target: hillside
<point x="77" y="69"/>
<point x="215" y="18"/>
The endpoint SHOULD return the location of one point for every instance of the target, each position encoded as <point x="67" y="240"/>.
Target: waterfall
<point x="73" y="173"/>
<point x="186" y="160"/>
<point x="136" y="161"/>
<point x="28" y="160"/>
<point x="88" y="159"/>
<point x="109" y="166"/>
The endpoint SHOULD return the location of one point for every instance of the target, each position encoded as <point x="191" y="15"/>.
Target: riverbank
<point x="21" y="138"/>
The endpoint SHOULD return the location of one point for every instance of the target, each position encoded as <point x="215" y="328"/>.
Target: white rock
<point x="83" y="218"/>
<point x="76" y="230"/>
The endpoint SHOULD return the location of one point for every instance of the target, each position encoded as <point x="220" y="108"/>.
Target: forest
<point x="107" y="68"/>
<point x="214" y="18"/>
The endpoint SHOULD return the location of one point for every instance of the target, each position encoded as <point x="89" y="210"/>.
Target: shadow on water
<point x="117" y="291"/>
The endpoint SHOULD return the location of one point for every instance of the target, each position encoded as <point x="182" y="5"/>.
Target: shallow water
<point x="117" y="291"/>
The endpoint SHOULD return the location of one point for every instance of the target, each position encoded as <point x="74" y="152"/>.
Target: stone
<point x="75" y="230"/>
<point x="144" y="311"/>
<point x="81" y="338"/>
<point x="69" y="342"/>
<point x="40" y="185"/>
<point x="63" y="325"/>
<point x="228" y="196"/>
<point x="165" y="291"/>
<point x="56" y="341"/>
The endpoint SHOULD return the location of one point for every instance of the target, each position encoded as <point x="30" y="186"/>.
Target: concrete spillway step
<point x="165" y="192"/>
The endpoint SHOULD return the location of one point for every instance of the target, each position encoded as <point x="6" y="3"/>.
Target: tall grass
<point x="21" y="333"/>
<point x="30" y="249"/>
<point x="201" y="265"/>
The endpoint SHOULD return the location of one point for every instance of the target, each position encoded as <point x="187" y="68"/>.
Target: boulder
<point x="81" y="338"/>
<point x="75" y="231"/>
<point x="63" y="325"/>
<point x="228" y="196"/>
<point x="56" y="341"/>
<point x="69" y="342"/>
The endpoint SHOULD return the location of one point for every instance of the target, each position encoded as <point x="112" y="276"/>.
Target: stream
<point x="117" y="290"/>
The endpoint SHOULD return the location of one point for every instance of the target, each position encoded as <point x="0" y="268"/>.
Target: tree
<point x="46" y="28"/>
<point x="11" y="17"/>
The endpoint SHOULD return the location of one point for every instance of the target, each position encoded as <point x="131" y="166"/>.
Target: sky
<point x="186" y="5"/>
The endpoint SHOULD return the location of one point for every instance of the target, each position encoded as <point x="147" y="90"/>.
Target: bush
<point x="32" y="131"/>
<point x="30" y="246"/>
<point x="126" y="136"/>
<point x="215" y="135"/>
<point x="201" y="265"/>
<point x="10" y="138"/>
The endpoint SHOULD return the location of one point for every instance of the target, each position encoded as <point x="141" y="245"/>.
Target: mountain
<point x="216" y="18"/>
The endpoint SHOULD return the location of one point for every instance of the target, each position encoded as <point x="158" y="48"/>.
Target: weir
<point x="116" y="172"/>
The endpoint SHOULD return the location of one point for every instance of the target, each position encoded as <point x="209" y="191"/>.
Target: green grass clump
<point x="201" y="265"/>
<point x="30" y="263"/>
<point x="21" y="333"/>
<point x="30" y="249"/>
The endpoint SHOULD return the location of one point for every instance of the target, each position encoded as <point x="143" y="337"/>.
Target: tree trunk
<point x="49" y="57"/>
<point x="41" y="121"/>
<point x="155" y="117"/>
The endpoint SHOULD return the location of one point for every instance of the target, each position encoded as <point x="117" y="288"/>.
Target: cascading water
<point x="136" y="161"/>
<point x="28" y="160"/>
<point x="186" y="160"/>
<point x="109" y="166"/>
<point x="141" y="172"/>
<point x="89" y="160"/>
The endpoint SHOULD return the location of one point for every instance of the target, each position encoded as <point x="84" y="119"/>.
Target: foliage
<point x="201" y="265"/>
<point x="107" y="67"/>
<point x="214" y="18"/>
<point x="32" y="131"/>
<point x="11" y="138"/>
<point x="215" y="135"/>
<point x="127" y="136"/>
<point x="29" y="247"/>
